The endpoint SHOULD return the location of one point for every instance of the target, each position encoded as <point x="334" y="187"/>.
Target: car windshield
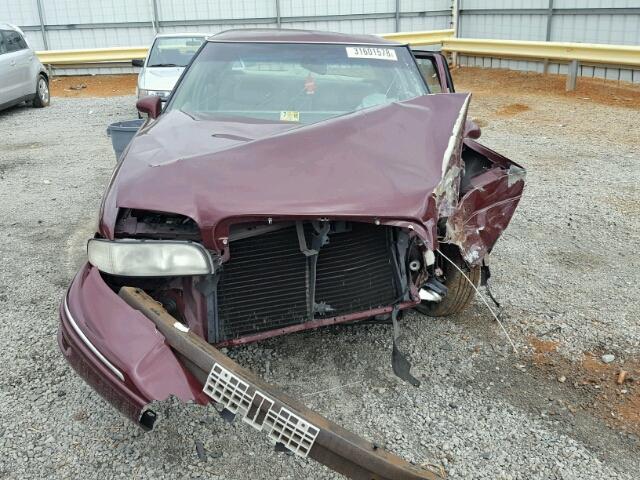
<point x="303" y="83"/>
<point x="173" y="51"/>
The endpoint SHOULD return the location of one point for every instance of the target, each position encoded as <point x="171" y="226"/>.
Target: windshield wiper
<point x="164" y="65"/>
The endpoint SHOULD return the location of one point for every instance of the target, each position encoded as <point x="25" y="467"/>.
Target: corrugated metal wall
<point x="106" y="23"/>
<point x="72" y="24"/>
<point x="81" y="24"/>
<point x="590" y="21"/>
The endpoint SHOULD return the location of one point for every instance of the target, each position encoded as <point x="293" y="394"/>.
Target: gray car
<point x="22" y="77"/>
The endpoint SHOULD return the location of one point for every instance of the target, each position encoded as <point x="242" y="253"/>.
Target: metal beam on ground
<point x="244" y="395"/>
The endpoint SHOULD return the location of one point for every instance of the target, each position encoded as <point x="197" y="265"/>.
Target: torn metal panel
<point x="485" y="211"/>
<point x="448" y="190"/>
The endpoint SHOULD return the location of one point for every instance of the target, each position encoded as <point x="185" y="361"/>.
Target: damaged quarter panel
<point x="487" y="204"/>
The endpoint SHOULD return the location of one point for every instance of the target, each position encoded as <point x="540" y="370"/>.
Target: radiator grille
<point x="354" y="271"/>
<point x="265" y="284"/>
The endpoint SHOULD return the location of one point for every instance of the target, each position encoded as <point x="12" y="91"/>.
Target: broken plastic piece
<point x="401" y="366"/>
<point x="293" y="432"/>
<point x="429" y="295"/>
<point x="228" y="390"/>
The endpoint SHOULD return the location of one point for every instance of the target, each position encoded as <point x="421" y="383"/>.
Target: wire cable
<point x="513" y="345"/>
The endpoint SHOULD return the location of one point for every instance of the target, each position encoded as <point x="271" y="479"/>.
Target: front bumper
<point x="102" y="380"/>
<point x="118" y="351"/>
<point x="120" y="345"/>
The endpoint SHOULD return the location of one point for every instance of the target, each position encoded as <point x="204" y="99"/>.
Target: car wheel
<point x="460" y="292"/>
<point x="42" y="97"/>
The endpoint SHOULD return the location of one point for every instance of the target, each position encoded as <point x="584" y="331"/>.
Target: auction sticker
<point x="372" y="52"/>
<point x="289" y="116"/>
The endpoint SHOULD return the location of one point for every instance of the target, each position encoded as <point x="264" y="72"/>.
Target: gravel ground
<point x="566" y="272"/>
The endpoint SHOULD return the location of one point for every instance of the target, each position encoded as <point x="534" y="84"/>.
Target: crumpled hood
<point x="159" y="78"/>
<point x="380" y="163"/>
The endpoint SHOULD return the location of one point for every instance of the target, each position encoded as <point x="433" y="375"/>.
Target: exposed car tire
<point x="460" y="293"/>
<point x="43" y="96"/>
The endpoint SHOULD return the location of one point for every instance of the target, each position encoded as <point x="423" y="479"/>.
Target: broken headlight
<point x="149" y="258"/>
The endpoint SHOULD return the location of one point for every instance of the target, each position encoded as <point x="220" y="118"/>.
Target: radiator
<point x="266" y="284"/>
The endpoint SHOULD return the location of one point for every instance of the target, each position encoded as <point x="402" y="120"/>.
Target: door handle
<point x="12" y="63"/>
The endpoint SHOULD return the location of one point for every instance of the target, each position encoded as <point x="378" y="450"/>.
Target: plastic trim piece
<point x="284" y="426"/>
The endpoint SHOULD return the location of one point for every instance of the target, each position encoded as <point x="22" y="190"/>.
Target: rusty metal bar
<point x="264" y="405"/>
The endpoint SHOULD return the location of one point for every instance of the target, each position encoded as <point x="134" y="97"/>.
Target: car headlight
<point x="163" y="94"/>
<point x="149" y="258"/>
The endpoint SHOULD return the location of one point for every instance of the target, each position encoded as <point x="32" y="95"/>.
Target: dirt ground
<point x="499" y="95"/>
<point x="480" y="81"/>
<point x="93" y="86"/>
<point x="485" y="82"/>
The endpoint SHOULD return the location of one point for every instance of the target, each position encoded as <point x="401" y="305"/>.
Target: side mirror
<point x="137" y="62"/>
<point x="150" y="105"/>
<point x="472" y="130"/>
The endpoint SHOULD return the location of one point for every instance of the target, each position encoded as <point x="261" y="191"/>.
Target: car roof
<point x="186" y="34"/>
<point x="280" y="35"/>
<point x="8" y="26"/>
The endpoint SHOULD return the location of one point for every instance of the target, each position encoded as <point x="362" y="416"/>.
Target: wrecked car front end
<point x="240" y="229"/>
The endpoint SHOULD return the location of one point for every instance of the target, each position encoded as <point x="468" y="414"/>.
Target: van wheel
<point x="42" y="97"/>
<point x="460" y="293"/>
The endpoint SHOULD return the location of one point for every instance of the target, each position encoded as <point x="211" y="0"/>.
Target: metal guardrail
<point x="96" y="56"/>
<point x="432" y="37"/>
<point x="91" y="56"/>
<point x="589" y="53"/>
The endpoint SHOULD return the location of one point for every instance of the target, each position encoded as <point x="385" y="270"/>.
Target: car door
<point x="435" y="70"/>
<point x="5" y="73"/>
<point x="24" y="57"/>
<point x="21" y="57"/>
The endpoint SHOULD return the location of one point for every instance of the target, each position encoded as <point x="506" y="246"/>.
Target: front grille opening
<point x="165" y="290"/>
<point x="133" y="223"/>
<point x="268" y="282"/>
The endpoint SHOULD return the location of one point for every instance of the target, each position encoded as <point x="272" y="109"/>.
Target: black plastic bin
<point x="121" y="134"/>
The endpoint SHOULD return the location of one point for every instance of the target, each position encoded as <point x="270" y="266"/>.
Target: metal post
<point x="455" y="19"/>
<point x="549" y="21"/>
<point x="278" y="16"/>
<point x="572" y="75"/>
<point x="42" y="28"/>
<point x="457" y="4"/>
<point x="397" y="15"/>
<point x="545" y="68"/>
<point x="155" y="21"/>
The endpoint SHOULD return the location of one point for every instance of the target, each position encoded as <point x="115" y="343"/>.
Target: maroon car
<point x="294" y="180"/>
